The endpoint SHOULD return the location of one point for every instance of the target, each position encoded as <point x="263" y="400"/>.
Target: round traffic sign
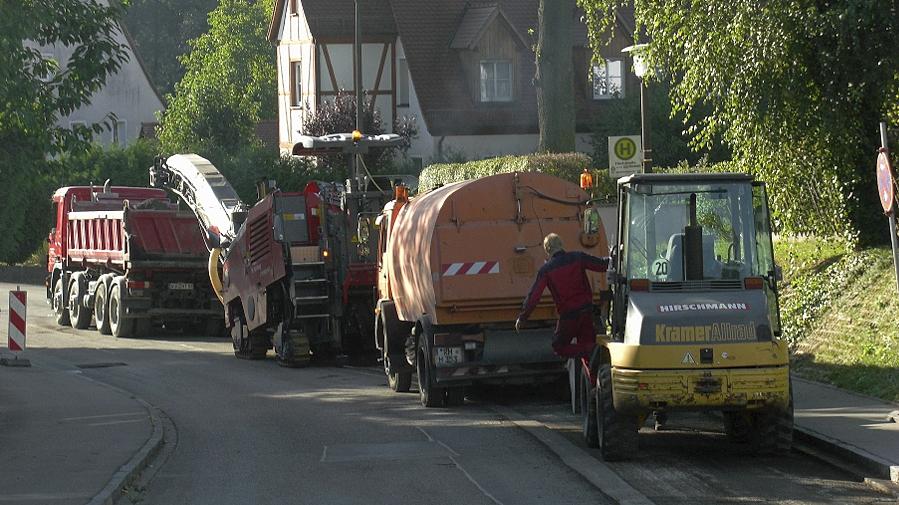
<point x="625" y="148"/>
<point x="885" y="182"/>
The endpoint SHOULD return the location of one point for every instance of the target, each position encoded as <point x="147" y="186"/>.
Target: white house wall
<point x="295" y="44"/>
<point x="128" y="94"/>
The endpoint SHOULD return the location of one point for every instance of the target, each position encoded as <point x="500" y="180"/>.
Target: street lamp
<point x="641" y="68"/>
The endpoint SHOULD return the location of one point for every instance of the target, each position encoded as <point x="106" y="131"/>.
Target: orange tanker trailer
<point x="454" y="265"/>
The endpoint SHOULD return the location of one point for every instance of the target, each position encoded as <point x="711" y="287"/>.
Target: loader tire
<point x="60" y="308"/>
<point x="588" y="412"/>
<point x="616" y="434"/>
<point x="79" y="315"/>
<point x="101" y="306"/>
<point x="738" y="427"/>
<point x="429" y="394"/>
<point x="773" y="430"/>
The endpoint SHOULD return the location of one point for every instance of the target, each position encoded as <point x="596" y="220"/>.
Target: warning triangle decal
<point x="688" y="359"/>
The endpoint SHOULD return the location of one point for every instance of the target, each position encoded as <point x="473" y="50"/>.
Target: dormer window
<point x="496" y="80"/>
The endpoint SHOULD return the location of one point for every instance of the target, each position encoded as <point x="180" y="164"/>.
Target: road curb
<point x="130" y="471"/>
<point x="592" y="469"/>
<point x="870" y="464"/>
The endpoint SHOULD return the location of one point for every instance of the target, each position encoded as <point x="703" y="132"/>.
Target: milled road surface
<point x="252" y="432"/>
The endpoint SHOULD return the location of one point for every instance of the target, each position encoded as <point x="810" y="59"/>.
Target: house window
<point x="119" y="133"/>
<point x="402" y="92"/>
<point x="496" y="81"/>
<point x="296" y="84"/>
<point x="608" y="80"/>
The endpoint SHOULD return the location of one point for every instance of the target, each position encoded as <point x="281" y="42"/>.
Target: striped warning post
<point x="17" y="304"/>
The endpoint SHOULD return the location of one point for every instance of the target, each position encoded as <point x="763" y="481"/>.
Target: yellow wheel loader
<point x="695" y="322"/>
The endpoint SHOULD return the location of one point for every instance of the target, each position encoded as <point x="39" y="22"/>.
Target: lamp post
<point x="641" y="68"/>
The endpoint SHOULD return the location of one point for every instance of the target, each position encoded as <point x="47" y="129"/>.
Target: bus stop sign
<point x="885" y="181"/>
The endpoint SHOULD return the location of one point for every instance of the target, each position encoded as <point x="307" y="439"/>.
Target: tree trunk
<point x="555" y="76"/>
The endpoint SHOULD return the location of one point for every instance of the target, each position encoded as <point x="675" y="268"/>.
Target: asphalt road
<point x="252" y="432"/>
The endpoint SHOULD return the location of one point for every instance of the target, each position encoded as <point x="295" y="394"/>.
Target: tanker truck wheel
<point x="588" y="412"/>
<point x="79" y="315"/>
<point x="401" y="381"/>
<point x="62" y="312"/>
<point x="101" y="306"/>
<point x="616" y="434"/>
<point x="429" y="394"/>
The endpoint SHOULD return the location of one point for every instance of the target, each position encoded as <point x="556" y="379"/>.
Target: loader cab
<point x="700" y="235"/>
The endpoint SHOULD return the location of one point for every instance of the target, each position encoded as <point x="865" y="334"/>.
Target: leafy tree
<point x="795" y="87"/>
<point x="161" y="29"/>
<point x="670" y="145"/>
<point x="229" y="84"/>
<point x="555" y="76"/>
<point x="339" y="116"/>
<point x="35" y="92"/>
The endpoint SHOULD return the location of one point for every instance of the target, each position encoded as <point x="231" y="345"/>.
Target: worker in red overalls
<point x="565" y="274"/>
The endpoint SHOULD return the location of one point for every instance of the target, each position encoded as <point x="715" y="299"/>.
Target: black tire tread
<point x="616" y="434"/>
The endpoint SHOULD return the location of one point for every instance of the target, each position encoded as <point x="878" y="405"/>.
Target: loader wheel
<point x="773" y="430"/>
<point x="588" y="412"/>
<point x="61" y="310"/>
<point x="79" y="315"/>
<point x="738" y="427"/>
<point x="118" y="324"/>
<point x="101" y="307"/>
<point x="429" y="394"/>
<point x="616" y="434"/>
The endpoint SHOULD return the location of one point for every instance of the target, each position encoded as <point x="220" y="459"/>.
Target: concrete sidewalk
<point x="851" y="426"/>
<point x="65" y="439"/>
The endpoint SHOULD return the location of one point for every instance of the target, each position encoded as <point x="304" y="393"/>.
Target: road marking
<point x="42" y="497"/>
<point x="103" y="416"/>
<point x="467" y="475"/>
<point x="118" y="422"/>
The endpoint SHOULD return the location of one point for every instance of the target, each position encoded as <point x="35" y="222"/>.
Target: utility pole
<point x="357" y="83"/>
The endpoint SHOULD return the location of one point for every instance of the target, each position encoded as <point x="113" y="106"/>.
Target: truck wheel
<point x="118" y="324"/>
<point x="429" y="394"/>
<point x="588" y="412"/>
<point x="62" y="312"/>
<point x="401" y="382"/>
<point x="101" y="306"/>
<point x="616" y="434"/>
<point x="455" y="397"/>
<point x="142" y="327"/>
<point x="79" y="315"/>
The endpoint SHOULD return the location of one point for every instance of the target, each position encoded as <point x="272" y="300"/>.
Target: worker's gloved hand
<point x="610" y="276"/>
<point x="518" y="324"/>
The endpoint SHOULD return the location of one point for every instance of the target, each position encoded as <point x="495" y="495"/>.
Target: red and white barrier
<point x="17" y="308"/>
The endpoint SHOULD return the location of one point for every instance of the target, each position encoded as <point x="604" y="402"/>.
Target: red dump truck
<point x="128" y="258"/>
<point x="455" y="264"/>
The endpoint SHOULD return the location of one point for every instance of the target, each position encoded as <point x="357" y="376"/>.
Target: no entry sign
<point x="17" y="304"/>
<point x="885" y="182"/>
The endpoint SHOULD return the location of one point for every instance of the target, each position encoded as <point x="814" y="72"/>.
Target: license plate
<point x="188" y="286"/>
<point x="448" y="356"/>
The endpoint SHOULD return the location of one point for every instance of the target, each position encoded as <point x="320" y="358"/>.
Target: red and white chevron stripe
<point x="17" y="304"/>
<point x="473" y="268"/>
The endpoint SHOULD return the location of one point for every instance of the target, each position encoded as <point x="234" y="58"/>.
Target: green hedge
<point x="567" y="166"/>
